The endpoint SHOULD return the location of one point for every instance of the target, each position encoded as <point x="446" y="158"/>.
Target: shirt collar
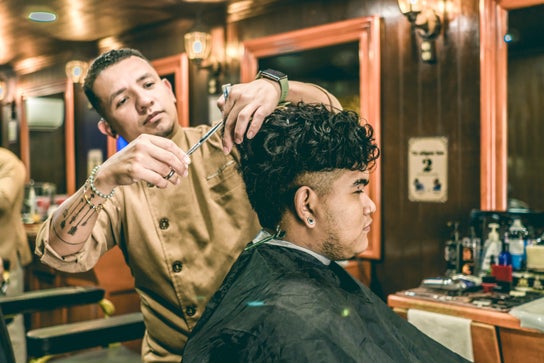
<point x="276" y="242"/>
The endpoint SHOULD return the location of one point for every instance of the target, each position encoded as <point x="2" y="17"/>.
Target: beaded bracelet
<point x="96" y="207"/>
<point x="93" y="188"/>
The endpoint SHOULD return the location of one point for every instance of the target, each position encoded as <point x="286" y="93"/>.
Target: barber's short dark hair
<point x="300" y="139"/>
<point x="100" y="63"/>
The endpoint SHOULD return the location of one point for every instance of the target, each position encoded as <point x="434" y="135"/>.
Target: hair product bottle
<point x="516" y="239"/>
<point x="505" y="258"/>
<point x="491" y="249"/>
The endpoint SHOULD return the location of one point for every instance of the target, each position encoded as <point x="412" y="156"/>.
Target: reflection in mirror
<point x="47" y="135"/>
<point x="45" y="120"/>
<point x="525" y="164"/>
<point x="493" y="101"/>
<point x="335" y="67"/>
<point x="343" y="57"/>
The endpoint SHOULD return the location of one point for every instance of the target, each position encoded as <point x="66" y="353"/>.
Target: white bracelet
<point x="93" y="188"/>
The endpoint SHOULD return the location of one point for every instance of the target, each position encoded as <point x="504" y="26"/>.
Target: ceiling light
<point x="42" y="16"/>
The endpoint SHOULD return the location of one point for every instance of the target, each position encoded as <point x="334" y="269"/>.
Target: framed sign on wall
<point x="428" y="169"/>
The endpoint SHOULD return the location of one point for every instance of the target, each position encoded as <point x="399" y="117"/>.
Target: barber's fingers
<point x="147" y="158"/>
<point x="245" y="110"/>
<point x="237" y="123"/>
<point x="166" y="162"/>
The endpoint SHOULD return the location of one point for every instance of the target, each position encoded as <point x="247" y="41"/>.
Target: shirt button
<point x="177" y="266"/>
<point x="164" y="223"/>
<point x="190" y="310"/>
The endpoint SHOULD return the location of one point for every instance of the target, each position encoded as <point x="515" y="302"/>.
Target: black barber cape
<point x="279" y="304"/>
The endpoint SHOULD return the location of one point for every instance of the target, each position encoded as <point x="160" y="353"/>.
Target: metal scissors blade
<point x="213" y="130"/>
<point x="206" y="136"/>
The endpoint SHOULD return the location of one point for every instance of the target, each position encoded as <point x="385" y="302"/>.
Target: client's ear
<point x="106" y="129"/>
<point x="304" y="201"/>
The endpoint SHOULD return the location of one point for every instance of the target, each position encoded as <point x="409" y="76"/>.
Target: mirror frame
<point x="67" y="88"/>
<point x="493" y="101"/>
<point x="178" y="65"/>
<point x="366" y="31"/>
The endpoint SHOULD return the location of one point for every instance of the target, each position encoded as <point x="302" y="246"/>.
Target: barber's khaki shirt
<point x="179" y="242"/>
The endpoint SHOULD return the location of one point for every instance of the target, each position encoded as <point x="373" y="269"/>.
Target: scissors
<point x="225" y="88"/>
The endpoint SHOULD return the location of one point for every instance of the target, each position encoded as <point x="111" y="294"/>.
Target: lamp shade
<point x="411" y="6"/>
<point x="198" y="45"/>
<point x="76" y="70"/>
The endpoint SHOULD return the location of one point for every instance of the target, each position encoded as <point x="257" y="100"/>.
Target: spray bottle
<point x="491" y="250"/>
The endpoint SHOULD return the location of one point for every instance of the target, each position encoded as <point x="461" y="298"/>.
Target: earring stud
<point x="310" y="221"/>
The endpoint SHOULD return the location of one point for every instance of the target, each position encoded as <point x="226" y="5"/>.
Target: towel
<point x="531" y="314"/>
<point x="450" y="331"/>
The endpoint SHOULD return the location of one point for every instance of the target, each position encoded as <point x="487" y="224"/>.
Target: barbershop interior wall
<point x="418" y="100"/>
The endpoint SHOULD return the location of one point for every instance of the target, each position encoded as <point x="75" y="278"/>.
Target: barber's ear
<point x="169" y="86"/>
<point x="106" y="129"/>
<point x="305" y="200"/>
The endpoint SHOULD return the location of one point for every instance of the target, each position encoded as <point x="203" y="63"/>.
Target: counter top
<point x="442" y="303"/>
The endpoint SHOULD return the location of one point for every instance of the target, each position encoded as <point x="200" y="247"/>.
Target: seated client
<point x="285" y="299"/>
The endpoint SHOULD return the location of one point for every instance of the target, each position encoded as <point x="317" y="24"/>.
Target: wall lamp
<point x="76" y="70"/>
<point x="198" y="47"/>
<point x="426" y="23"/>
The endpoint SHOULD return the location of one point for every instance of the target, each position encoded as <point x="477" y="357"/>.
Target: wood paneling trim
<point x="69" y="135"/>
<point x="515" y="4"/>
<point x="493" y="124"/>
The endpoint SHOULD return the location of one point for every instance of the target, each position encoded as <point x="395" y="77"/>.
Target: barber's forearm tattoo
<point x="79" y="213"/>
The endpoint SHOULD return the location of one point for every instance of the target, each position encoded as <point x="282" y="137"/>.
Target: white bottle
<point x="29" y="203"/>
<point x="492" y="249"/>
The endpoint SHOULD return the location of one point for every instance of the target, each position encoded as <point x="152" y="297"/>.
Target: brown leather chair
<point x="58" y="343"/>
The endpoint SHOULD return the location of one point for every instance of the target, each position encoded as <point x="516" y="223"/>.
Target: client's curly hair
<point x="296" y="140"/>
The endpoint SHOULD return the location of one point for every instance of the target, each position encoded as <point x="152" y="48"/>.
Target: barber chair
<point x="95" y="340"/>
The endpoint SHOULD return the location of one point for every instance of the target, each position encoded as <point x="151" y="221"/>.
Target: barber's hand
<point x="154" y="159"/>
<point x="245" y="109"/>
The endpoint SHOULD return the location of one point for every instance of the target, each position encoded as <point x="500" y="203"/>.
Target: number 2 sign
<point x="428" y="169"/>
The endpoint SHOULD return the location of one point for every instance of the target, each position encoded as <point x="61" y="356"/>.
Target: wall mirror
<point x="47" y="135"/>
<point x="343" y="57"/>
<point x="176" y="70"/>
<point x="494" y="182"/>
